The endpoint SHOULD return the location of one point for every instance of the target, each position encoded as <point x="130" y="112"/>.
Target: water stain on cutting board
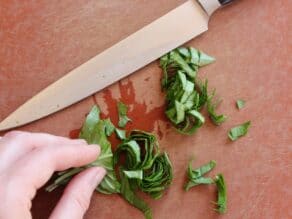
<point x="142" y="118"/>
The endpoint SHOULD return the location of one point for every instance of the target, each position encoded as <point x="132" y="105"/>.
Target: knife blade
<point x="142" y="47"/>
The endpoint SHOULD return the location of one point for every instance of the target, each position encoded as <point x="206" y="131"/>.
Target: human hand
<point x="28" y="160"/>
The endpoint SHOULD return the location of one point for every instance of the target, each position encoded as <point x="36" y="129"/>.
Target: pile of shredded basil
<point x="186" y="94"/>
<point x="145" y="169"/>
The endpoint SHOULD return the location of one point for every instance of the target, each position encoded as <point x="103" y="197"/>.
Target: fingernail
<point x="79" y="141"/>
<point x="95" y="147"/>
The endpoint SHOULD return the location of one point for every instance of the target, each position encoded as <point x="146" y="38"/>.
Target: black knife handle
<point x="212" y="5"/>
<point x="225" y="2"/>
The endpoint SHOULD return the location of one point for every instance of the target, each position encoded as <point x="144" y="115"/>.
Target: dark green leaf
<point x="141" y="152"/>
<point x="240" y="104"/>
<point x="133" y="146"/>
<point x="133" y="154"/>
<point x="129" y="195"/>
<point x="158" y="177"/>
<point x="222" y="194"/>
<point x="239" y="131"/>
<point x="123" y="118"/>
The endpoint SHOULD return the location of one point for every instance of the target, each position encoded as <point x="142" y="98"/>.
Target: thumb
<point x="77" y="195"/>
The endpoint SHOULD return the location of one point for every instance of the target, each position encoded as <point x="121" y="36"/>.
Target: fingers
<point x="37" y="167"/>
<point x="16" y="144"/>
<point x="77" y="195"/>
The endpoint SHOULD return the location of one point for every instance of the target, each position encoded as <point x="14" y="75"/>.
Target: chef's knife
<point x="137" y="50"/>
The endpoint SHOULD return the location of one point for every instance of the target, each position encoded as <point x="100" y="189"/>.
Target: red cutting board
<point x="42" y="40"/>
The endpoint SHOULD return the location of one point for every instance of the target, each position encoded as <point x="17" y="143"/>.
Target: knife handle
<point x="225" y="2"/>
<point x="212" y="5"/>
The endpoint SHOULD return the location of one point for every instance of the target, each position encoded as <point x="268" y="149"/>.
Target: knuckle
<point x="15" y="135"/>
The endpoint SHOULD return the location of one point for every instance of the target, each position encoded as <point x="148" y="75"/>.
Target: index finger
<point x="35" y="169"/>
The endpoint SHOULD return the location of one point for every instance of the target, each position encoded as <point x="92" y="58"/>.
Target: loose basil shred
<point x="121" y="134"/>
<point x="211" y="106"/>
<point x="186" y="95"/>
<point x="196" y="176"/>
<point x="123" y="118"/>
<point x="129" y="194"/>
<point x="239" y="131"/>
<point x="222" y="194"/>
<point x="109" y="127"/>
<point x="240" y="104"/>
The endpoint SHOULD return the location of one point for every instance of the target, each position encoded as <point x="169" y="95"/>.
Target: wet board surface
<point x="42" y="40"/>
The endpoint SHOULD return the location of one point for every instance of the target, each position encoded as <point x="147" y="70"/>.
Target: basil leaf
<point x="63" y="178"/>
<point x="222" y="193"/>
<point x="91" y="121"/>
<point x="199" y="181"/>
<point x="211" y="106"/>
<point x="134" y="174"/>
<point x="133" y="154"/>
<point x="239" y="131"/>
<point x="121" y="134"/>
<point x="109" y="183"/>
<point x="132" y="198"/>
<point x="196" y="176"/>
<point x="201" y="171"/>
<point x="240" y="104"/>
<point x="203" y="90"/>
<point x="94" y="132"/>
<point x="200" y="58"/>
<point x="158" y="177"/>
<point x="123" y="118"/>
<point x="133" y="146"/>
<point x="185" y="94"/>
<point x="109" y="127"/>
<point x="146" y="168"/>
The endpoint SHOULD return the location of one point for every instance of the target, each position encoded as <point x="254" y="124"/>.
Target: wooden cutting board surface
<point x="42" y="40"/>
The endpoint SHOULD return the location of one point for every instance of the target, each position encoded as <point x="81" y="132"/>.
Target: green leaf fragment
<point x="199" y="181"/>
<point x="121" y="134"/>
<point x="109" y="127"/>
<point x="201" y="171"/>
<point x="196" y="176"/>
<point x="240" y="104"/>
<point x="123" y="118"/>
<point x="222" y="194"/>
<point x="239" y="131"/>
<point x="134" y="174"/>
<point x="211" y="107"/>
<point x="129" y="194"/>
